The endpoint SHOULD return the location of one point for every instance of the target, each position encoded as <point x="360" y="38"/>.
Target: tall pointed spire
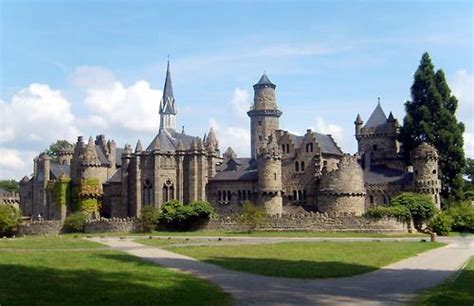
<point x="378" y="116"/>
<point x="168" y="108"/>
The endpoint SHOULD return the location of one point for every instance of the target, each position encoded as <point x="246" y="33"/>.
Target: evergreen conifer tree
<point x="431" y="117"/>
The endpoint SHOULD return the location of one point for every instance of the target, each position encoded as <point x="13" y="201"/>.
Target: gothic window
<point x="147" y="196"/>
<point x="297" y="166"/>
<point x="168" y="191"/>
<point x="283" y="148"/>
<point x="287" y="148"/>
<point x="309" y="147"/>
<point x="302" y="166"/>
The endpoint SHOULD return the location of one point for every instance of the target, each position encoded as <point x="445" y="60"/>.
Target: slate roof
<point x="377" y="118"/>
<point x="168" y="105"/>
<point x="4" y="193"/>
<point x="382" y="175"/>
<point x="233" y="169"/>
<point x="326" y="143"/>
<point x="169" y="140"/>
<point x="57" y="169"/>
<point x="116" y="178"/>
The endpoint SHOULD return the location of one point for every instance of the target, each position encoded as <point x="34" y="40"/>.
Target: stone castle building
<point x="285" y="172"/>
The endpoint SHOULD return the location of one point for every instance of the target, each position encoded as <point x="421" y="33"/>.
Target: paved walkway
<point x="391" y="285"/>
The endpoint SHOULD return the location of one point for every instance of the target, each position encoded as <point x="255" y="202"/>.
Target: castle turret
<point x="168" y="108"/>
<point x="90" y="161"/>
<point x="342" y="190"/>
<point x="65" y="155"/>
<point x="269" y="177"/>
<point x="264" y="115"/>
<point x="358" y="124"/>
<point x="424" y="159"/>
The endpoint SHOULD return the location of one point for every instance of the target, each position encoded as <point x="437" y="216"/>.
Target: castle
<point x="285" y="172"/>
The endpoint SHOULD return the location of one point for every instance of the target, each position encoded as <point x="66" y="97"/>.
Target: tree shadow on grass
<point x="138" y="285"/>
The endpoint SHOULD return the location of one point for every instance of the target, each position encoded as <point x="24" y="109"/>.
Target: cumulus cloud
<point x="236" y="137"/>
<point x="36" y="114"/>
<point x="15" y="163"/>
<point x="240" y="102"/>
<point x="329" y="128"/>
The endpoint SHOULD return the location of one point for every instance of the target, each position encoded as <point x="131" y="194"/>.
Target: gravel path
<point x="391" y="285"/>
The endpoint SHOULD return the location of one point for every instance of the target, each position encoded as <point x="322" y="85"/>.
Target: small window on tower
<point x="434" y="171"/>
<point x="374" y="147"/>
<point x="260" y="122"/>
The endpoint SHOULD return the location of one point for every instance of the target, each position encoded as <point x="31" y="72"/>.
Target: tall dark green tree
<point x="431" y="117"/>
<point x="55" y="147"/>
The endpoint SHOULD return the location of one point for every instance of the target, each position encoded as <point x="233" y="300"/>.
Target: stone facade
<point x="285" y="173"/>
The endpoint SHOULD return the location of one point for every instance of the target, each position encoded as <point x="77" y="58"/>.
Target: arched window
<point x="302" y="166"/>
<point x="297" y="166"/>
<point x="283" y="148"/>
<point x="287" y="148"/>
<point x="147" y="196"/>
<point x="295" y="196"/>
<point x="219" y="194"/>
<point x="371" y="199"/>
<point x="300" y="195"/>
<point x="168" y="191"/>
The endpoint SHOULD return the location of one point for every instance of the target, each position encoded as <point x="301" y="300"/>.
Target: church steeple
<point x="168" y="109"/>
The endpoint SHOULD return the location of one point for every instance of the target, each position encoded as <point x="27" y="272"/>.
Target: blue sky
<point x="97" y="67"/>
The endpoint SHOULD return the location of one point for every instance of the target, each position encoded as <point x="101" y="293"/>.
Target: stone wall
<point x="110" y="225"/>
<point x="41" y="227"/>
<point x="320" y="222"/>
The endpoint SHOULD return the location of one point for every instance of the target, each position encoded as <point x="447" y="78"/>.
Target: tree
<point x="252" y="216"/>
<point x="421" y="207"/>
<point x="430" y="117"/>
<point x="10" y="218"/>
<point x="469" y="170"/>
<point x="10" y="185"/>
<point x="55" y="147"/>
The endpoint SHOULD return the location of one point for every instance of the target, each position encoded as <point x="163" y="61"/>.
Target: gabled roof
<point x="233" y="169"/>
<point x="326" y="143"/>
<point x="377" y="118"/>
<point x="169" y="140"/>
<point x="57" y="169"/>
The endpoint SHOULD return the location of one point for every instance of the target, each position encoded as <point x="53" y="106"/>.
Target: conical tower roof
<point x="377" y="118"/>
<point x="264" y="81"/>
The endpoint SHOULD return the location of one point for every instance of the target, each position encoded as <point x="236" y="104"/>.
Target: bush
<point x="252" y="216"/>
<point x="148" y="220"/>
<point x="176" y="215"/>
<point x="10" y="218"/>
<point x="421" y="207"/>
<point x="400" y="212"/>
<point x="74" y="223"/>
<point x="463" y="217"/>
<point x="441" y="224"/>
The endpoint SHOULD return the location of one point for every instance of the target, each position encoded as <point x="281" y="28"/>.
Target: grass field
<point x="215" y="233"/>
<point x="69" y="271"/>
<point x="459" y="292"/>
<point x="302" y="259"/>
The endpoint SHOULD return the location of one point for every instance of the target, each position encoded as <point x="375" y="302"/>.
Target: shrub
<point x="463" y="217"/>
<point x="421" y="207"/>
<point x="175" y="214"/>
<point x="252" y="216"/>
<point x="148" y="220"/>
<point x="441" y="224"/>
<point x="74" y="223"/>
<point x="400" y="212"/>
<point x="10" y="218"/>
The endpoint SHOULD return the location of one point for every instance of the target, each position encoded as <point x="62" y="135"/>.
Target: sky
<point x="70" y="68"/>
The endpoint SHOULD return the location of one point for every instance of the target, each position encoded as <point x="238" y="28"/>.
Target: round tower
<point x="424" y="159"/>
<point x="264" y="115"/>
<point x="65" y="155"/>
<point x="269" y="178"/>
<point x="342" y="190"/>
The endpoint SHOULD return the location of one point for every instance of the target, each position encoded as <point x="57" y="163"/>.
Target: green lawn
<point x="458" y="292"/>
<point x="302" y="259"/>
<point x="79" y="273"/>
<point x="216" y="233"/>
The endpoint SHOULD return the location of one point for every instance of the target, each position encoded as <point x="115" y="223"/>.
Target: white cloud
<point x="15" y="163"/>
<point x="232" y="136"/>
<point x="36" y="114"/>
<point x="86" y="77"/>
<point x="240" y="102"/>
<point x="328" y="128"/>
<point x="469" y="144"/>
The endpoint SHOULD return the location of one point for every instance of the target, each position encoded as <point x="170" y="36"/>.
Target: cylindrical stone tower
<point x="269" y="178"/>
<point x="65" y="155"/>
<point x="424" y="159"/>
<point x="264" y="115"/>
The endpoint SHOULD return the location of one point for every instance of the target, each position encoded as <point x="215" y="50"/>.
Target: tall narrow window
<point x="147" y="195"/>
<point x="295" y="195"/>
<point x="287" y="148"/>
<point x="297" y="166"/>
<point x="302" y="166"/>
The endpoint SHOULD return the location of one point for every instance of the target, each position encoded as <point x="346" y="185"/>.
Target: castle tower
<point x="424" y="159"/>
<point x="358" y="125"/>
<point x="65" y="155"/>
<point x="269" y="177"/>
<point x="90" y="161"/>
<point x="264" y="115"/>
<point x="168" y="109"/>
